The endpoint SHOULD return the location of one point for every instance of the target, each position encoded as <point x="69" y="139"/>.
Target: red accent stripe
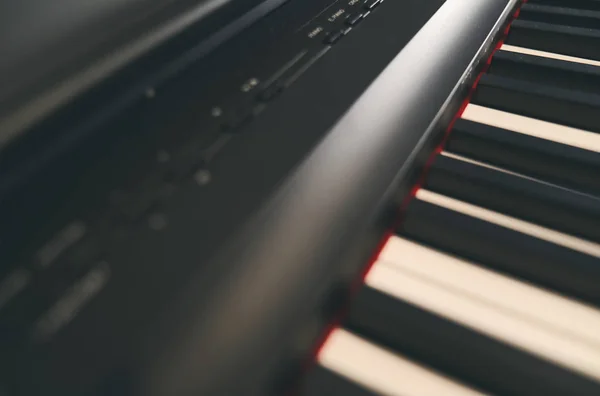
<point x="360" y="280"/>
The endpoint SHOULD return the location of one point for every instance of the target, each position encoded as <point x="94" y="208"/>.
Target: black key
<point x="528" y="199"/>
<point x="544" y="159"/>
<point x="562" y="106"/>
<point x="462" y="353"/>
<point x="354" y="19"/>
<point x="560" y="16"/>
<point x="323" y="382"/>
<point x="333" y="37"/>
<point x="504" y="250"/>
<point x="581" y="4"/>
<point x="371" y="4"/>
<point x="551" y="72"/>
<point x="566" y="40"/>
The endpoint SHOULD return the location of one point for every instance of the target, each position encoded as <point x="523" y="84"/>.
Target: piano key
<point x="500" y="219"/>
<point x="540" y="69"/>
<point x="560" y="15"/>
<point x="538" y="306"/>
<point x="391" y="313"/>
<point x="580" y="4"/>
<point x="516" y="195"/>
<point x="567" y="40"/>
<point x="381" y="371"/>
<point x="550" y="55"/>
<point x="563" y="106"/>
<point x="466" y="310"/>
<point x="533" y="127"/>
<point x="504" y="249"/>
<point x="540" y="158"/>
<point x="485" y="134"/>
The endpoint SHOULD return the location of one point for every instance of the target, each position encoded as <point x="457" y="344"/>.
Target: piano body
<point x="316" y="197"/>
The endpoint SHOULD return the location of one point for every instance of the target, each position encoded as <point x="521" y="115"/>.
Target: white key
<point x="382" y="371"/>
<point x="500" y="169"/>
<point x="550" y="55"/>
<point x="538" y="306"/>
<point x="530" y="126"/>
<point x="470" y="312"/>
<point x="497" y="168"/>
<point x="512" y="223"/>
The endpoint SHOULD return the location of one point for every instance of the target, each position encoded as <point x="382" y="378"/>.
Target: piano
<point x="302" y="197"/>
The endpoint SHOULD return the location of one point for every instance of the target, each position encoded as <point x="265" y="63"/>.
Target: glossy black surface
<point x="551" y="72"/>
<point x="562" y="106"/>
<point x="561" y="16"/>
<point x="556" y="38"/>
<point x="581" y="4"/>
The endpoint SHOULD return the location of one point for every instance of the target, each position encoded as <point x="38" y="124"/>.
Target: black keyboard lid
<point x="53" y="50"/>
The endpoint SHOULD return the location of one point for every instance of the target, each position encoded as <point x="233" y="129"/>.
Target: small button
<point x="370" y="4"/>
<point x="353" y="19"/>
<point x="334" y="36"/>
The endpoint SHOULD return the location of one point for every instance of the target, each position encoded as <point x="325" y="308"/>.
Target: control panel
<point x="58" y="263"/>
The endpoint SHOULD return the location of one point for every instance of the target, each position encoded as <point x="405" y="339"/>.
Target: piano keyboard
<point x="491" y="283"/>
